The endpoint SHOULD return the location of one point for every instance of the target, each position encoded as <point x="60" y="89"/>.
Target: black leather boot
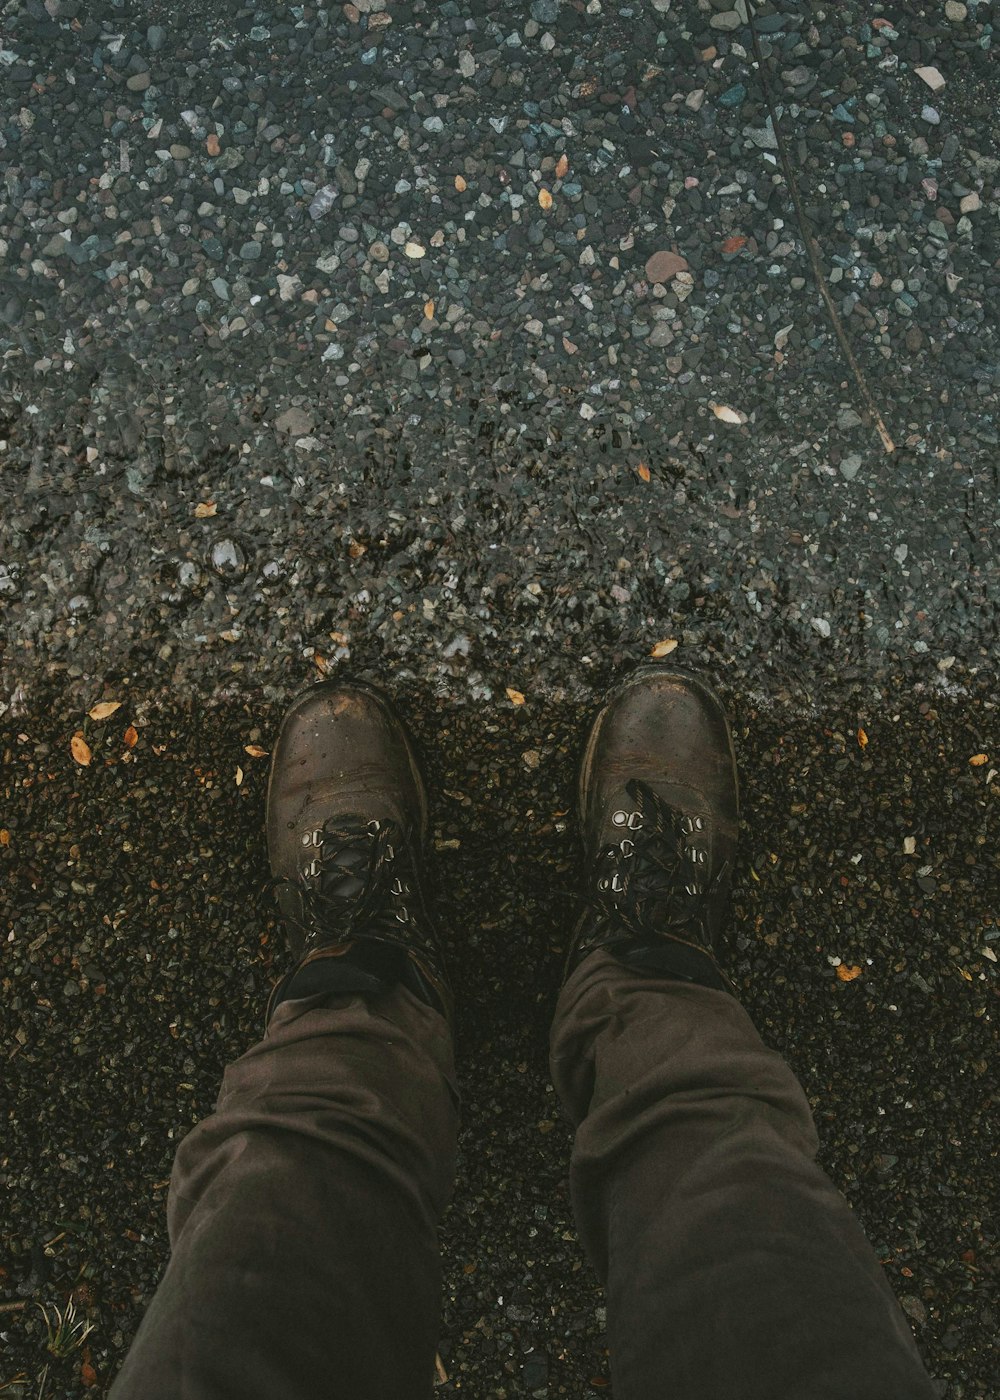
<point x="659" y="820"/>
<point x="347" y="826"/>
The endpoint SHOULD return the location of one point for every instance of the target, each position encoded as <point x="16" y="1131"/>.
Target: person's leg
<point x="303" y="1214"/>
<point x="733" y="1266"/>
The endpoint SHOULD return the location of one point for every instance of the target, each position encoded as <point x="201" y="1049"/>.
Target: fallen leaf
<point x="847" y="974"/>
<point x="514" y="696"/>
<point x="977" y="760"/>
<point x="80" y="749"/>
<point x="4" y="836"/>
<point x="429" y="310"/>
<point x="87" y="1374"/>
<point x="734" y="244"/>
<point x="562" y="166"/>
<point x="355" y="549"/>
<point x="862" y="738"/>
<point x="545" y="198"/>
<point x="664" y="648"/>
<point x="239" y="776"/>
<point x="104" y="710"/>
<point x="460" y="184"/>
<point x="643" y="471"/>
<point x="727" y="415"/>
<point x="255" y="751"/>
<point x="204" y="509"/>
<point x="131" y="736"/>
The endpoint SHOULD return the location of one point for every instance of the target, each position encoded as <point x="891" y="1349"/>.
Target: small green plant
<point x="66" y="1332"/>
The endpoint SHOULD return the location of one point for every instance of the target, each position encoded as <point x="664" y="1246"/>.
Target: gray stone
<point x="851" y="465"/>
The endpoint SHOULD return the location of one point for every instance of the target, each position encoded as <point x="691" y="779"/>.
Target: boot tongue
<point x="340" y="882"/>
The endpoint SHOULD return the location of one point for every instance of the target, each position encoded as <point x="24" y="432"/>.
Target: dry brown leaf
<point x="80" y="749"/>
<point x="87" y="1374"/>
<point x="545" y="198"/>
<point x="460" y="184"/>
<point x="131" y="736"/>
<point x="727" y="415"/>
<point x="514" y="696"/>
<point x="355" y="549"/>
<point x="4" y="836"/>
<point x="562" y="166"/>
<point x="204" y="509"/>
<point x="664" y="648"/>
<point x="847" y="974"/>
<point x="239" y="776"/>
<point x="977" y="760"/>
<point x="643" y="471"/>
<point x="255" y="751"/>
<point x="104" y="710"/>
<point x="862" y="738"/>
<point x="429" y="310"/>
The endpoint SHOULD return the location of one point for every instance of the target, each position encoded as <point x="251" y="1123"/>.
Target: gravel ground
<point x="481" y="347"/>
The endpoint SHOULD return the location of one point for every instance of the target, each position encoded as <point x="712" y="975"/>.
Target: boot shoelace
<point x="652" y="880"/>
<point x="349" y="882"/>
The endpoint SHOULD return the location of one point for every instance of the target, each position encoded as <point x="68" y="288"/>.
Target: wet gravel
<point x="479" y="347"/>
<point x="334" y="331"/>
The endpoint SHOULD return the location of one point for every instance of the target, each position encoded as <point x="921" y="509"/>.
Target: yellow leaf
<point x="105" y="709"/>
<point x="239" y="775"/>
<point x="862" y="738"/>
<point x="514" y="696"/>
<point x="847" y="974"/>
<point x="727" y="415"/>
<point x="664" y="648"/>
<point x="255" y="751"/>
<point x="131" y="736"/>
<point x="562" y="166"/>
<point x="4" y="836"/>
<point x="204" y="509"/>
<point x="544" y="198"/>
<point x="429" y="310"/>
<point x="643" y="471"/>
<point x="460" y="184"/>
<point x="977" y="760"/>
<point x="80" y="749"/>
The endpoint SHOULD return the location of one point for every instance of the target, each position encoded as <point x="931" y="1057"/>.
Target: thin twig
<point x="13" y="1307"/>
<point x="812" y="248"/>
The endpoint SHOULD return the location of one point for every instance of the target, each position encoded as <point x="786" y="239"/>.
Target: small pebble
<point x="664" y="266"/>
<point x="932" y="77"/>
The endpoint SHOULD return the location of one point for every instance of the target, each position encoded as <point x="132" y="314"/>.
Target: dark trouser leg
<point x="734" y="1268"/>
<point x="303" y="1215"/>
